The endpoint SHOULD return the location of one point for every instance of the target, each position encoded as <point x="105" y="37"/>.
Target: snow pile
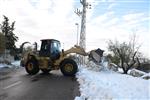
<point x="15" y="64"/>
<point x="107" y="85"/>
<point x="137" y="73"/>
<point x="3" y="65"/>
<point x="97" y="67"/>
<point x="146" y="76"/>
<point x="92" y="66"/>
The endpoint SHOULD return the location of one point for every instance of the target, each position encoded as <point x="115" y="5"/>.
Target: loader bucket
<point x="96" y="55"/>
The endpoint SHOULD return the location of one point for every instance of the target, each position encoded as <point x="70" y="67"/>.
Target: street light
<point x="77" y="31"/>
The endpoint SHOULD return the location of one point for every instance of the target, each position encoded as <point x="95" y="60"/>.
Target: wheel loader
<point x="51" y="57"/>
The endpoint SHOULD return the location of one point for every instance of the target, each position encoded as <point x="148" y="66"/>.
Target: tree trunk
<point x="139" y="63"/>
<point x="125" y="72"/>
<point x="123" y="67"/>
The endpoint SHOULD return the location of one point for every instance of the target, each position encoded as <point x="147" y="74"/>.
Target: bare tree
<point x="124" y="54"/>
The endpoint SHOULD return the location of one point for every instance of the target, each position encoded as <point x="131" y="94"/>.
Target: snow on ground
<point x="13" y="64"/>
<point x="3" y="65"/>
<point x="16" y="63"/>
<point x="108" y="85"/>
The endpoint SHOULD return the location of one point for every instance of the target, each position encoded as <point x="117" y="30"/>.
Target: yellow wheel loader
<point x="51" y="57"/>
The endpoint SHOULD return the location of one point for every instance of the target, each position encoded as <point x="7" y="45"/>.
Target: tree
<point x="123" y="54"/>
<point x="2" y="43"/>
<point x="10" y="37"/>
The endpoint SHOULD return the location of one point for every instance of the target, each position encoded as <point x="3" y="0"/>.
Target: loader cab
<point x="50" y="48"/>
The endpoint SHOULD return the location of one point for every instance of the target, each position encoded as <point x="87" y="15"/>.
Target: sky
<point x="106" y="20"/>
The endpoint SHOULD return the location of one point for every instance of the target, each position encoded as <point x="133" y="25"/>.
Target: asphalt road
<point x="18" y="85"/>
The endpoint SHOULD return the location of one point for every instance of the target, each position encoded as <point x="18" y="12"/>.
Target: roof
<point x="50" y="40"/>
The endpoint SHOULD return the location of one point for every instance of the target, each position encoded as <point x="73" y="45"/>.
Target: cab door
<point x="55" y="50"/>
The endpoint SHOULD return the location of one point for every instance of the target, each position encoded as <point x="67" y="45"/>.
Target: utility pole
<point x="82" y="42"/>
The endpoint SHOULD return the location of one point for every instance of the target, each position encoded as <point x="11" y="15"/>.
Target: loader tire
<point x="45" y="71"/>
<point x="68" y="67"/>
<point x="32" y="67"/>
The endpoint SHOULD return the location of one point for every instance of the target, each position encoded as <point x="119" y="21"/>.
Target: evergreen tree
<point x="10" y="37"/>
<point x="2" y="43"/>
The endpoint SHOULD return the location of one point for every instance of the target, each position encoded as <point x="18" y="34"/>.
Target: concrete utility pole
<point x="82" y="42"/>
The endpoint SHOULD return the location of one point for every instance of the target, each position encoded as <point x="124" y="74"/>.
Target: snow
<point x="13" y="64"/>
<point x="3" y="65"/>
<point x="108" y="85"/>
<point x="16" y="63"/>
<point x="103" y="84"/>
<point x="147" y="74"/>
<point x="138" y="71"/>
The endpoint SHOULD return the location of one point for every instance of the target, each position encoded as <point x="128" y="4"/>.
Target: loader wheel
<point x="45" y="71"/>
<point x="32" y="67"/>
<point x="68" y="67"/>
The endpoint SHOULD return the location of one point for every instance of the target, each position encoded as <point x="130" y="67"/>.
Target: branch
<point x="134" y="56"/>
<point x="81" y="1"/>
<point x="118" y="51"/>
<point x="139" y="63"/>
<point x="120" y="55"/>
<point x="133" y="59"/>
<point x="118" y="65"/>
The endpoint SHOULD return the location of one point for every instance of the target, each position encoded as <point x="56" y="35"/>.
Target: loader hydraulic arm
<point x="76" y="49"/>
<point x="94" y="55"/>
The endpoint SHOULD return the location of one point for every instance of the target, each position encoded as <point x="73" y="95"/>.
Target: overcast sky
<point x="108" y="19"/>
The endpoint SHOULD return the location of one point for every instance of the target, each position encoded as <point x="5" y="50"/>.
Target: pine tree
<point x="10" y="37"/>
<point x="2" y="43"/>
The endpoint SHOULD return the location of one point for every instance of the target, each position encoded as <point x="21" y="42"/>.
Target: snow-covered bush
<point x="136" y="73"/>
<point x="146" y="76"/>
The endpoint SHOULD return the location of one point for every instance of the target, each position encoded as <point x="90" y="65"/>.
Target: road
<point x="18" y="85"/>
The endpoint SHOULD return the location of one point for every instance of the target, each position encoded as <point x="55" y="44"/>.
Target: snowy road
<point x="18" y="85"/>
